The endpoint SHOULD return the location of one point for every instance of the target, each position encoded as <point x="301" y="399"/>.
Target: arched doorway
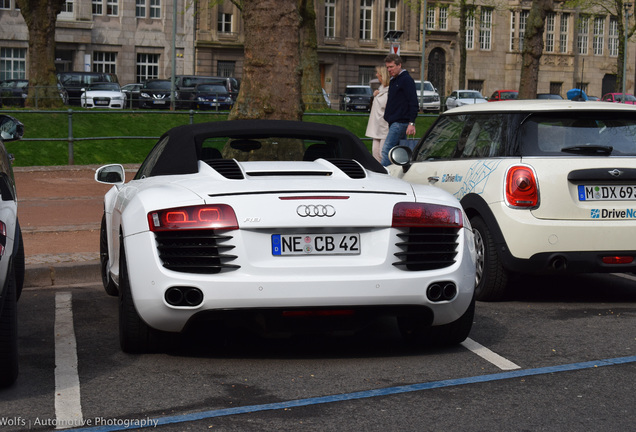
<point x="437" y="70"/>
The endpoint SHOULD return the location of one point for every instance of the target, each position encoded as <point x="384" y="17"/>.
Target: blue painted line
<point x="184" y="418"/>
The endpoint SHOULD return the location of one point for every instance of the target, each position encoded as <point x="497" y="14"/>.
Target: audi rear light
<point x="219" y="216"/>
<point x="426" y="215"/>
<point x="521" y="187"/>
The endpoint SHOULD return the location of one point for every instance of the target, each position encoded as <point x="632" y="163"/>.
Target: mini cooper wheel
<point x="491" y="278"/>
<point x="9" y="334"/>
<point x="109" y="285"/>
<point x="135" y="336"/>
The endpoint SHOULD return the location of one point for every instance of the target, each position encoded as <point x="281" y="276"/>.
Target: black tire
<point x="419" y="332"/>
<point x="491" y="277"/>
<point x="19" y="265"/>
<point x="104" y="259"/>
<point x="456" y="332"/>
<point x="9" y="334"/>
<point x="135" y="336"/>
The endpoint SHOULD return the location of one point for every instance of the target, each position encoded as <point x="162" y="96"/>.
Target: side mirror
<point x="110" y="174"/>
<point x="10" y="128"/>
<point x="400" y="155"/>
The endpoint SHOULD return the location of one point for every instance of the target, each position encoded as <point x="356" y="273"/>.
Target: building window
<point x="5" y="4"/>
<point x="97" y="7"/>
<point x="112" y="7"/>
<point x="523" y="18"/>
<point x="556" y="87"/>
<point x="140" y="8"/>
<point x="563" y="33"/>
<point x="430" y="18"/>
<point x="366" y="19"/>
<point x="599" y="31"/>
<point x="225" y="23"/>
<point x="549" y="32"/>
<point x="512" y="30"/>
<point x="470" y="31"/>
<point x="12" y="63"/>
<point x="67" y="10"/>
<point x="366" y="74"/>
<point x="147" y="67"/>
<point x="330" y="18"/>
<point x="225" y="68"/>
<point x="476" y="85"/>
<point x="105" y="62"/>
<point x="485" y="29"/>
<point x="390" y="15"/>
<point x="582" y="36"/>
<point x="612" y="40"/>
<point x="155" y="9"/>
<point x="443" y="18"/>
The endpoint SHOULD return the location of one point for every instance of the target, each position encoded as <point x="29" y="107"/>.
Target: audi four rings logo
<point x="312" y="210"/>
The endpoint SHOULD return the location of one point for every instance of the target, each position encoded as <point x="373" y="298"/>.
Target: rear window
<point x="270" y="148"/>
<point x="584" y="134"/>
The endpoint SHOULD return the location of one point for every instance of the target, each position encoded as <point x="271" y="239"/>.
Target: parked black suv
<point x="11" y="256"/>
<point x="155" y="93"/>
<point x="74" y="82"/>
<point x="357" y="98"/>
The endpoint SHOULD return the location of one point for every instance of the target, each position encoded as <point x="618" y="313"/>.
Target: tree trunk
<point x="463" y="14"/>
<point x="533" y="48"/>
<point x="40" y="17"/>
<point x="270" y="88"/>
<point x="311" y="86"/>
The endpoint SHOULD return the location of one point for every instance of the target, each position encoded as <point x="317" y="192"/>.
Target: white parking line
<point x="494" y="358"/>
<point x="68" y="408"/>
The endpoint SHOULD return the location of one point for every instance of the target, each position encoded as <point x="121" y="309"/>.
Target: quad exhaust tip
<point x="184" y="296"/>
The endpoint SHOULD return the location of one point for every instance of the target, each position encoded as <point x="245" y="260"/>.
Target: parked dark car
<point x="357" y="98"/>
<point x="186" y="84"/>
<point x="11" y="256"/>
<point x="13" y="92"/>
<point x="132" y="92"/>
<point x="74" y="82"/>
<point x="156" y="94"/>
<point x="211" y="96"/>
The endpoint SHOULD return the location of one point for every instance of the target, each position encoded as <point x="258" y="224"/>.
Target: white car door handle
<point x="433" y="179"/>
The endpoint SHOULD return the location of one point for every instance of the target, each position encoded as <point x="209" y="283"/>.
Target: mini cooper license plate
<point x="316" y="244"/>
<point x="606" y="193"/>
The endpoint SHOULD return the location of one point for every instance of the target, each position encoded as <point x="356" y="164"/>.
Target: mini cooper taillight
<point x="219" y="216"/>
<point x="521" y="187"/>
<point x="426" y="215"/>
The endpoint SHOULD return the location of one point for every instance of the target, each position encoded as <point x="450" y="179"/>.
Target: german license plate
<point x="99" y="102"/>
<point x="606" y="193"/>
<point x="361" y="107"/>
<point x="315" y="244"/>
<point x="159" y="102"/>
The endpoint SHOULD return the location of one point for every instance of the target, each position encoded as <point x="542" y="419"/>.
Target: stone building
<point x="135" y="41"/>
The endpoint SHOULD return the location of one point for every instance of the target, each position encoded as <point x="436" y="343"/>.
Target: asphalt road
<point x="558" y="356"/>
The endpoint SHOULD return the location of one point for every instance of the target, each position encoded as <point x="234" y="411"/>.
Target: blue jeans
<point x="397" y="131"/>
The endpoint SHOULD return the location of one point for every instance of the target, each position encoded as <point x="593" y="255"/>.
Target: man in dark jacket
<point x="401" y="107"/>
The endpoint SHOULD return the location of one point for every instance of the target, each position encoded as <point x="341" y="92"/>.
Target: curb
<point x="61" y="274"/>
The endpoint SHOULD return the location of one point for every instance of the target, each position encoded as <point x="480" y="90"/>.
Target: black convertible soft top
<point x="179" y="149"/>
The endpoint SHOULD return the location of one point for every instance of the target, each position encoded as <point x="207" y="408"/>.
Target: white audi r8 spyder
<point x="293" y="226"/>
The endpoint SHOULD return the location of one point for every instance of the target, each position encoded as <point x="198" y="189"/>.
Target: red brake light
<point x="521" y="187"/>
<point x="618" y="259"/>
<point x="426" y="215"/>
<point x="219" y="216"/>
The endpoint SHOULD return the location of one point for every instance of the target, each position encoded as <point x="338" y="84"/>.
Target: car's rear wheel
<point x="9" y="334"/>
<point x="135" y="336"/>
<point x="104" y="260"/>
<point x="417" y="331"/>
<point x="491" y="277"/>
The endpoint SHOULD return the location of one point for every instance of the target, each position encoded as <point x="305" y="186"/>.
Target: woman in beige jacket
<point x="378" y="128"/>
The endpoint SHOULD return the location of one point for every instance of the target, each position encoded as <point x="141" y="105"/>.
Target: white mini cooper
<point x="548" y="186"/>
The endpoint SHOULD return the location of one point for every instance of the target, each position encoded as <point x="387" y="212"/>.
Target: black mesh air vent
<point x="228" y="168"/>
<point x="350" y="168"/>
<point x="427" y="248"/>
<point x="195" y="251"/>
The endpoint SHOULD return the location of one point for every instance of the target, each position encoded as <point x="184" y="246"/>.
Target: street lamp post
<point x="625" y="31"/>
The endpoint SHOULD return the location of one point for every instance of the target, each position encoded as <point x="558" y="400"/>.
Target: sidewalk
<point x="60" y="210"/>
